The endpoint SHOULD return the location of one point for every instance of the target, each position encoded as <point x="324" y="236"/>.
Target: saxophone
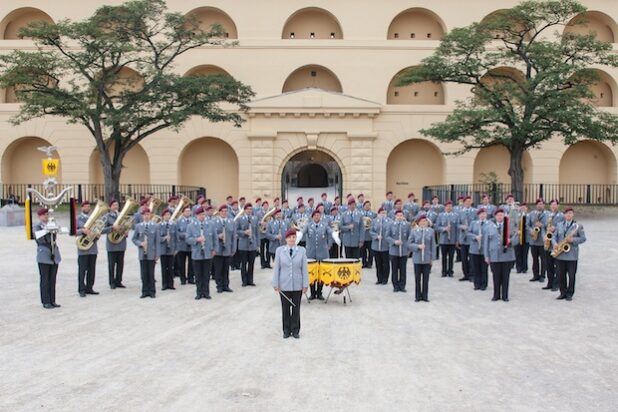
<point x="564" y="246"/>
<point x="535" y="230"/>
<point x="124" y="221"/>
<point x="548" y="235"/>
<point x="95" y="224"/>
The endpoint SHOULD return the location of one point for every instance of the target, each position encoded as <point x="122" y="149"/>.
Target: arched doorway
<point x="211" y="163"/>
<point x="598" y="159"/>
<point x="491" y="165"/>
<point x="312" y="76"/>
<point x="21" y="161"/>
<point x="413" y="164"/>
<point x="309" y="174"/>
<point x="135" y="166"/>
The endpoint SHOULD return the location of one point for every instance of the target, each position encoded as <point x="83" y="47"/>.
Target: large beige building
<point x="326" y="111"/>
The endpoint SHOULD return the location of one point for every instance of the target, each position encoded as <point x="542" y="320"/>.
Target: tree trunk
<point x="516" y="171"/>
<point x="111" y="174"/>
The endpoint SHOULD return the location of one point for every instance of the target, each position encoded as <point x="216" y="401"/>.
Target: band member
<point x="115" y="251"/>
<point x="167" y="249"/>
<point x="536" y="222"/>
<point x="247" y="230"/>
<point x="486" y="204"/>
<point x="290" y="280"/>
<point x="310" y="207"/>
<point x="571" y="233"/>
<point x="334" y="220"/>
<point x="509" y="203"/>
<point x="554" y="217"/>
<point x="318" y="239"/>
<point x="275" y="231"/>
<point x="380" y="247"/>
<point x="499" y="254"/>
<point x="465" y="216"/>
<point x="277" y="203"/>
<point x="241" y="204"/>
<point x="436" y="206"/>
<point x="299" y="219"/>
<point x="232" y="212"/>
<point x="397" y="205"/>
<point x="336" y="202"/>
<point x="48" y="259"/>
<point x="411" y="208"/>
<point x="397" y="238"/>
<point x="388" y="204"/>
<point x="478" y="266"/>
<point x="225" y="249"/>
<point x="228" y="202"/>
<point x="327" y="203"/>
<point x="422" y="243"/>
<point x="446" y="226"/>
<point x="264" y="254"/>
<point x="198" y="203"/>
<point x="202" y="237"/>
<point x="366" y="251"/>
<point x="183" y="250"/>
<point x="86" y="259"/>
<point x="352" y="230"/>
<point x="172" y="201"/>
<point x="299" y="201"/>
<point x="286" y="212"/>
<point x="521" y="250"/>
<point x="146" y="238"/>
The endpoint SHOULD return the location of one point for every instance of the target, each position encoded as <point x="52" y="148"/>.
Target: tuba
<point x="124" y="221"/>
<point x="153" y="205"/>
<point x="267" y="218"/>
<point x="95" y="223"/>
<point x="300" y="224"/>
<point x="184" y="202"/>
<point x="239" y="215"/>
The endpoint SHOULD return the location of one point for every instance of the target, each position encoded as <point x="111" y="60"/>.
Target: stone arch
<point x="312" y="23"/>
<point x="495" y="14"/>
<point x="127" y="80"/>
<point x="598" y="160"/>
<point x="211" y="163"/>
<point x="207" y="16"/>
<point x="496" y="159"/>
<point x="416" y="24"/>
<point x="312" y="76"/>
<point x="412" y="164"/>
<point x="206" y="70"/>
<point x="604" y="90"/>
<point x="19" y="18"/>
<point x="21" y="161"/>
<point x="135" y="166"/>
<point x="417" y="93"/>
<point x="597" y="22"/>
<point x="312" y="175"/>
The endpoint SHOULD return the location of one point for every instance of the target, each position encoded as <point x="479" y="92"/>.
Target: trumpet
<point x="564" y="246"/>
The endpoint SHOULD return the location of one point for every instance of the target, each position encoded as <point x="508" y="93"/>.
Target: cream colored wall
<point x="135" y="166"/>
<point x="496" y="159"/>
<point x="21" y="161"/>
<point x="364" y="62"/>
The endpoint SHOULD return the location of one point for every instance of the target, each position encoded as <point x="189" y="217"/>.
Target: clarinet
<point x="400" y="248"/>
<point x="423" y="243"/>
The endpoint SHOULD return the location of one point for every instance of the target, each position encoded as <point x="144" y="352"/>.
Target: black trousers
<point x="335" y="251"/>
<point x="182" y="259"/>
<point x="167" y="271"/>
<point x="86" y="268"/>
<point x="448" y="252"/>
<point x="566" y="270"/>
<point x="421" y="280"/>
<point x="201" y="268"/>
<point x="147" y="272"/>
<point x="115" y="265"/>
<point x="501" y="272"/>
<point x="382" y="266"/>
<point x="264" y="255"/>
<point x="352" y="252"/>
<point x="291" y="314"/>
<point x="316" y="288"/>
<point x="464" y="254"/>
<point x="550" y="264"/>
<point x="479" y="269"/>
<point x="538" y="261"/>
<point x="48" y="282"/>
<point x="236" y="258"/>
<point x="521" y="258"/>
<point x="247" y="260"/>
<point x="398" y="267"/>
<point x="222" y="271"/>
<point x="367" y="254"/>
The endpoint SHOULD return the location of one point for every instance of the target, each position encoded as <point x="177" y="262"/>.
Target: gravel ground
<point x="383" y="351"/>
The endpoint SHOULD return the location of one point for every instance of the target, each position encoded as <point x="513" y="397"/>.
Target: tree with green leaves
<point x="79" y="72"/>
<point x="546" y="94"/>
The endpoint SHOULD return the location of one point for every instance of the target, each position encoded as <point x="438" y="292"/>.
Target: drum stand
<point x="339" y="290"/>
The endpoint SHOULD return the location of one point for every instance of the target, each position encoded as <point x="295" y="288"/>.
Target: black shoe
<point x="227" y="290"/>
<point x="56" y="305"/>
<point x="485" y="288"/>
<point x="198" y="297"/>
<point x="477" y="288"/>
<point x="192" y="282"/>
<point x="505" y="299"/>
<point x="295" y="335"/>
<point x="92" y="292"/>
<point x="219" y="291"/>
<point x="183" y="282"/>
<point x="403" y="290"/>
<point x="244" y="284"/>
<point x="250" y="284"/>
<point x="494" y="299"/>
<point x="378" y="282"/>
<point x="152" y="296"/>
<point x="207" y="297"/>
<point x="313" y="297"/>
<point x="269" y="267"/>
<point x="112" y="286"/>
<point x="534" y="279"/>
<point x="463" y="279"/>
<point x="450" y="275"/>
<point x="165" y="288"/>
<point x="143" y="296"/>
<point x="82" y="294"/>
<point x="542" y="279"/>
<point x="418" y="299"/>
<point x="48" y="306"/>
<point x="444" y="275"/>
<point x="320" y="297"/>
<point x="554" y="289"/>
<point x="286" y="335"/>
<point x="561" y="297"/>
<point x="425" y="300"/>
<point x="546" y="287"/>
<point x="172" y="288"/>
<point x="121" y="286"/>
<point x="396" y="290"/>
<point x="569" y="298"/>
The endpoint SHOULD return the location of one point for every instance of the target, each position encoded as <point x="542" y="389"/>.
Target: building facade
<point x="326" y="111"/>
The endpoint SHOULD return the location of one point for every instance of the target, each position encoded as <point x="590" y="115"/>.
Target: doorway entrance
<point x="309" y="174"/>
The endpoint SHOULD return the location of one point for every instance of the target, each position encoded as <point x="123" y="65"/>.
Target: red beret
<point x="276" y="199"/>
<point x="200" y="197"/>
<point x="523" y="204"/>
<point x="186" y="207"/>
<point x="199" y="210"/>
<point x="460" y="197"/>
<point x="277" y="211"/>
<point x="259" y="199"/>
<point x="569" y="209"/>
<point x="87" y="203"/>
<point x="365" y="202"/>
<point x="171" y="199"/>
<point x="554" y="201"/>
<point x="229" y="197"/>
<point x="235" y="202"/>
<point x="333" y="209"/>
<point x="242" y="199"/>
<point x="145" y="210"/>
<point x="467" y="198"/>
<point x="481" y="210"/>
<point x="165" y="211"/>
<point x="315" y="212"/>
<point x="421" y="217"/>
<point x="499" y="210"/>
<point x="208" y="208"/>
<point x="449" y="202"/>
<point x="509" y="196"/>
<point x="299" y="198"/>
<point x="410" y="195"/>
<point x="111" y="202"/>
<point x="290" y="232"/>
<point x="310" y="199"/>
<point x="389" y="193"/>
<point x="42" y="211"/>
<point x="265" y="203"/>
<point x="324" y="194"/>
<point x="397" y="211"/>
<point x="247" y="205"/>
<point x="380" y="210"/>
<point x="301" y="205"/>
<point x="434" y="197"/>
<point x="485" y="196"/>
<point x="336" y="197"/>
<point x="426" y="202"/>
<point x="539" y="200"/>
<point x="351" y="201"/>
<point x="284" y="201"/>
<point x="397" y="200"/>
<point x="360" y="194"/>
<point x="222" y="207"/>
<point x="141" y="202"/>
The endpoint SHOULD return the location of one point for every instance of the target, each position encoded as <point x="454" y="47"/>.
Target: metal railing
<point x="16" y="193"/>
<point x="571" y="194"/>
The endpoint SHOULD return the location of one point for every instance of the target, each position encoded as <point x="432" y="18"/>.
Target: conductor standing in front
<point x="291" y="281"/>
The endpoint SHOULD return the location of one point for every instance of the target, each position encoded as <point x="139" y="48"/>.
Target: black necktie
<point x="291" y="252"/>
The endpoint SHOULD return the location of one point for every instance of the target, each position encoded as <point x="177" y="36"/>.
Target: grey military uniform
<point x="446" y="225"/>
<point x="563" y="229"/>
<point x="352" y="237"/>
<point x="492" y="244"/>
<point x="81" y="221"/>
<point x="167" y="247"/>
<point x="113" y="247"/>
<point x="373" y="215"/>
<point x="477" y="227"/>
<point x="555" y="218"/>
<point x="318" y="239"/>
<point x="44" y="247"/>
<point x="422" y="236"/>
<point x="290" y="273"/>
<point x="248" y="242"/>
<point x="275" y="227"/>
<point x="181" y="234"/>
<point x="202" y="251"/>
<point x="388" y="205"/>
<point x="534" y="217"/>
<point x="379" y="227"/>
<point x="410" y="210"/>
<point x="466" y="216"/>
<point x="398" y="230"/>
<point x="148" y="231"/>
<point x="227" y="248"/>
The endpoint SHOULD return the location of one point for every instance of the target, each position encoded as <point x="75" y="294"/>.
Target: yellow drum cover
<point x="343" y="271"/>
<point x="326" y="272"/>
<point x="313" y="267"/>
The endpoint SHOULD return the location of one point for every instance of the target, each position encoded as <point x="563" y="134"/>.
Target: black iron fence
<point x="16" y="193"/>
<point x="572" y="194"/>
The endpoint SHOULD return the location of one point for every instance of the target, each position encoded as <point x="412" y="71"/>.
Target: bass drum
<point x="313" y="267"/>
<point x="340" y="272"/>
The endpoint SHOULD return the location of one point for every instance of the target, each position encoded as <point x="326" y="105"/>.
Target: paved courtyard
<point x="460" y="352"/>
